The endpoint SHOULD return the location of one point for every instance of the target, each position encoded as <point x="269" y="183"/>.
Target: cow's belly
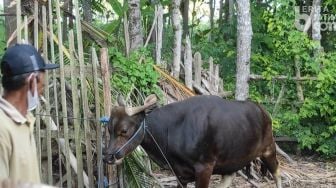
<point x="229" y="167"/>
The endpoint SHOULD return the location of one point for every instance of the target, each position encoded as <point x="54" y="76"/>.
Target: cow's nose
<point x="109" y="159"/>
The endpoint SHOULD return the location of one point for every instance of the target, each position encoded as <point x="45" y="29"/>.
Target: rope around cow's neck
<point x="163" y="155"/>
<point x="142" y="127"/>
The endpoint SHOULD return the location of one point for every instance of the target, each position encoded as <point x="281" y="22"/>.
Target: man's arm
<point x="5" y="153"/>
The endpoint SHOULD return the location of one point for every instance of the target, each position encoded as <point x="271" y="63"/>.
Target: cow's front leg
<point x="226" y="181"/>
<point x="203" y="173"/>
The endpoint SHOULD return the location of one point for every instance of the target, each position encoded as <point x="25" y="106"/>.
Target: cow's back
<point x="205" y="128"/>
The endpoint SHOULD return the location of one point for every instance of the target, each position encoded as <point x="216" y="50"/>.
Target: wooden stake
<point x="188" y="63"/>
<point x="216" y="79"/>
<point x="198" y="68"/>
<point x="211" y="71"/>
<point x="111" y="170"/>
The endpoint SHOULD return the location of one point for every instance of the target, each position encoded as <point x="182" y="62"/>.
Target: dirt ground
<point x="305" y="172"/>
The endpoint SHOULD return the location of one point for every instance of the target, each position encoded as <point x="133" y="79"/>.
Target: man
<point x="23" y="70"/>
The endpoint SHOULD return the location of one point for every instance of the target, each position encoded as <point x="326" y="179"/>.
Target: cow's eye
<point x="124" y="131"/>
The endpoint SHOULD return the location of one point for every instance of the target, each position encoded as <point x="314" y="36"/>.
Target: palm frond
<point x="137" y="170"/>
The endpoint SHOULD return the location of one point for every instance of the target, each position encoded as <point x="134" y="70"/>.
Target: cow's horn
<point x="149" y="101"/>
<point x="121" y="101"/>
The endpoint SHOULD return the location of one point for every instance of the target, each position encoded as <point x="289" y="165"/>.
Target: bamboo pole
<point x="36" y="24"/>
<point x="55" y="96"/>
<point x="63" y="94"/>
<point x="38" y="138"/>
<point x="75" y="106"/>
<point x="25" y="21"/>
<point x="281" y="93"/>
<point x="38" y="118"/>
<point x="85" y="104"/>
<point x="283" y="77"/>
<point x="46" y="93"/>
<point x="152" y="28"/>
<point x="201" y="90"/>
<point x="14" y="34"/>
<point x="126" y="33"/>
<point x="98" y="127"/>
<point x="18" y="21"/>
<point x="111" y="170"/>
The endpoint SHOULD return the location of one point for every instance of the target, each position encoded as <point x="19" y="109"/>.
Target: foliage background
<point x="275" y="45"/>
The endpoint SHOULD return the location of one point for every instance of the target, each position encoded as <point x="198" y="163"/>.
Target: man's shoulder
<point x="5" y="122"/>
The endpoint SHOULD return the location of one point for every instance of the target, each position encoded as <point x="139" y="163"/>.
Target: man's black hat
<point x="23" y="58"/>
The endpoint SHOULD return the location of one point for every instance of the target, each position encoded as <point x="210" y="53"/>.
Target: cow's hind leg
<point x="272" y="164"/>
<point x="226" y="181"/>
<point x="203" y="173"/>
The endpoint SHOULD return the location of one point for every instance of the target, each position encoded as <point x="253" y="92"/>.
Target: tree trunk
<point x="87" y="10"/>
<point x="193" y="14"/>
<point x="185" y="18"/>
<point x="65" y="20"/>
<point x="212" y="12"/>
<point x="10" y="20"/>
<point x="159" y="30"/>
<point x="71" y="23"/>
<point x="177" y="37"/>
<point x="316" y="25"/>
<point x="244" y="30"/>
<point x="231" y="9"/>
<point x="135" y="30"/>
<point x="221" y="10"/>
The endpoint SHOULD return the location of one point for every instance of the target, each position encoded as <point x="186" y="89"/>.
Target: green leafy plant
<point x="129" y="74"/>
<point x="277" y="44"/>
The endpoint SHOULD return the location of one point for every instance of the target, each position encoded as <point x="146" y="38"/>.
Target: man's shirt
<point x="18" y="157"/>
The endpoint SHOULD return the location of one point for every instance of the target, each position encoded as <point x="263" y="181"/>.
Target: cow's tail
<point x="266" y="116"/>
<point x="268" y="157"/>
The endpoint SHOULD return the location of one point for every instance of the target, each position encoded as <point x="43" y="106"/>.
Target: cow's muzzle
<point x="112" y="159"/>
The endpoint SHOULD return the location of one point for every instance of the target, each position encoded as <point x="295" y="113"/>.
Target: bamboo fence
<point x="69" y="135"/>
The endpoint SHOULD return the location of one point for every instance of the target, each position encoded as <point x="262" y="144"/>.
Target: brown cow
<point x="197" y="137"/>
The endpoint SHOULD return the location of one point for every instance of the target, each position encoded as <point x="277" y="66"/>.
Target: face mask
<point x="33" y="100"/>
